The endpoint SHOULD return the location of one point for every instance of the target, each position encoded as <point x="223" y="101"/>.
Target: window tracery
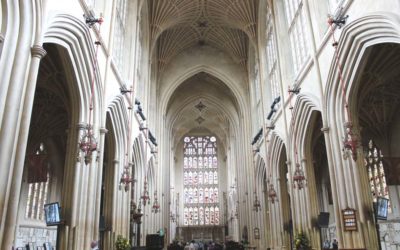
<point x="271" y="55"/>
<point x="297" y="32"/>
<point x="120" y="32"/>
<point x="376" y="173"/>
<point x="200" y="166"/>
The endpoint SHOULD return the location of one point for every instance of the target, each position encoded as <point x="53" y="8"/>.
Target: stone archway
<point x="377" y="112"/>
<point x="319" y="182"/>
<point x="356" y="43"/>
<point x="281" y="221"/>
<point x="48" y="137"/>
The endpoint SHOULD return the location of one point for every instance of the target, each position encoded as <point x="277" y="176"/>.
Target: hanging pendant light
<point x="88" y="143"/>
<point x="350" y="142"/>
<point x="156" y="206"/>
<point x="299" y="179"/>
<point x="145" y="197"/>
<point x="126" y="179"/>
<point x="272" y="194"/>
<point x="256" y="204"/>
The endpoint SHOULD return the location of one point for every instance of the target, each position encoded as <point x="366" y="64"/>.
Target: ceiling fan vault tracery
<point x="176" y="25"/>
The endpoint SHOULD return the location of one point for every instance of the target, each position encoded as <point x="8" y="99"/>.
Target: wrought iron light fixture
<point x="126" y="179"/>
<point x="88" y="143"/>
<point x="350" y="142"/>
<point x="156" y="206"/>
<point x="272" y="194"/>
<point x="145" y="197"/>
<point x="299" y="179"/>
<point x="256" y="204"/>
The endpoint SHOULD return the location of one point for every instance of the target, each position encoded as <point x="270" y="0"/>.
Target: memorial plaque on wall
<point x="349" y="219"/>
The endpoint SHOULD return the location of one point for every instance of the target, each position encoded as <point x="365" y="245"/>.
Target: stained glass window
<point x="200" y="181"/>
<point x="376" y="173"/>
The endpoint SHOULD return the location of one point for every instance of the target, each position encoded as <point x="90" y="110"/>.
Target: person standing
<point x="94" y="245"/>
<point x="335" y="244"/>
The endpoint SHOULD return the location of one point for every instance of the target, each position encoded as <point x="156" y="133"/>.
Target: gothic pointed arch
<point x="358" y="45"/>
<point x="115" y="159"/>
<point x="79" y="46"/>
<point x="281" y="223"/>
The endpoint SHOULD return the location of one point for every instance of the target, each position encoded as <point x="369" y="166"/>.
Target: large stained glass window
<point x="376" y="172"/>
<point x="200" y="181"/>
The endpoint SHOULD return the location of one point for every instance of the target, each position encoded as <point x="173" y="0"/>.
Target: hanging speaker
<point x="323" y="219"/>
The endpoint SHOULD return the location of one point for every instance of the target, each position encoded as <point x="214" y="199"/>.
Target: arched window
<point x="200" y="171"/>
<point x="376" y="172"/>
<point x="271" y="56"/>
<point x="297" y="32"/>
<point x="121" y="34"/>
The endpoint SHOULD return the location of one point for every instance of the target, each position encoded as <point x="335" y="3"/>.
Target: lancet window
<point x="200" y="181"/>
<point x="296" y="19"/>
<point x="376" y="172"/>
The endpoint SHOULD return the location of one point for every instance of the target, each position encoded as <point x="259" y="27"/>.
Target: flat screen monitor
<point x="382" y="208"/>
<point x="52" y="214"/>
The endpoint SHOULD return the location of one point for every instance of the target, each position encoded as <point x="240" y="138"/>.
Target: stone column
<point x="99" y="176"/>
<point x="15" y="190"/>
<point x="12" y="89"/>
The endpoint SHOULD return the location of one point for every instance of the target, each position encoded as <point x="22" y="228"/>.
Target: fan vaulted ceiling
<point x="176" y="25"/>
<point x="196" y="106"/>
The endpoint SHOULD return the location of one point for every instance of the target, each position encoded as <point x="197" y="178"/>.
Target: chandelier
<point x="256" y="204"/>
<point x="232" y="215"/>
<point x="136" y="213"/>
<point x="272" y="194"/>
<point x="145" y="197"/>
<point x="126" y="179"/>
<point x="299" y="179"/>
<point x="350" y="142"/>
<point x="156" y="206"/>
<point x="88" y="143"/>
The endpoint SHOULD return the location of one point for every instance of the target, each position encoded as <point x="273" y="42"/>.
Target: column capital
<point x="38" y="51"/>
<point x="103" y="131"/>
<point x="325" y="129"/>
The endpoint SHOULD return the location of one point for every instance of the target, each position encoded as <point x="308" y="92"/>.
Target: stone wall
<point x="36" y="235"/>
<point x="389" y="233"/>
